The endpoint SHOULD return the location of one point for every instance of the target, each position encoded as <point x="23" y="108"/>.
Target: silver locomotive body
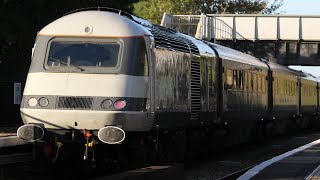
<point x="89" y="71"/>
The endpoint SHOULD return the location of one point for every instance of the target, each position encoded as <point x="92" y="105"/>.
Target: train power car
<point x="103" y="76"/>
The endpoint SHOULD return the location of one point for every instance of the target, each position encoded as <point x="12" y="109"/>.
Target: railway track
<point x="12" y="157"/>
<point x="236" y="174"/>
<point x="17" y="162"/>
<point x="15" y="158"/>
<point x="231" y="164"/>
<point x="161" y="172"/>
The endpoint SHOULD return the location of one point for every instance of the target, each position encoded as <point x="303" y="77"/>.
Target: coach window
<point x="293" y="88"/>
<point x="310" y="90"/>
<point x="241" y="80"/>
<point x="281" y="86"/>
<point x="235" y="79"/>
<point x="287" y="87"/>
<point x="309" y="87"/>
<point x="229" y="79"/>
<point x="278" y="86"/>
<point x="141" y="66"/>
<point x="275" y="86"/>
<point x="259" y="83"/>
<point x="263" y="84"/>
<point x="246" y="84"/>
<point x="253" y="82"/>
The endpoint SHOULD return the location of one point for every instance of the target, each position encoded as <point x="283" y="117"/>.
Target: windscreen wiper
<point x="68" y="64"/>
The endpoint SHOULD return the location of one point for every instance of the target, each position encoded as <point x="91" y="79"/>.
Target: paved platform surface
<point x="8" y="131"/>
<point x="8" y="137"/>
<point x="298" y="164"/>
<point x="163" y="172"/>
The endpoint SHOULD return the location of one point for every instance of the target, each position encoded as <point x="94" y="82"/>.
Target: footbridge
<point x="285" y="39"/>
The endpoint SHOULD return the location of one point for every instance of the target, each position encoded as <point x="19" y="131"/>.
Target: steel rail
<point x="236" y="174"/>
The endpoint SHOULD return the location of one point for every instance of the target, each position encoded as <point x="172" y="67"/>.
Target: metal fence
<point x="252" y="27"/>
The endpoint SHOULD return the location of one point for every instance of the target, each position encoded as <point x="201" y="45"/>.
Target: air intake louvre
<point x="195" y="91"/>
<point x="169" y="39"/>
<point x="74" y="103"/>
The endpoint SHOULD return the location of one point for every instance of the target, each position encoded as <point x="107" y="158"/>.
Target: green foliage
<point x="154" y="9"/>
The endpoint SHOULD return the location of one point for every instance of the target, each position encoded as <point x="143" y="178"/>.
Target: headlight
<point x="43" y="102"/>
<point x="105" y="104"/>
<point x="120" y="104"/>
<point x="32" y="102"/>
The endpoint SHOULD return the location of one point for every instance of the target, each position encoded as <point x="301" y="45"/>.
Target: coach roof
<point x="94" y="23"/>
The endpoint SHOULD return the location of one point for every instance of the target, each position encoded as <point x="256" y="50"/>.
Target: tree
<point x="154" y="9"/>
<point x="20" y="20"/>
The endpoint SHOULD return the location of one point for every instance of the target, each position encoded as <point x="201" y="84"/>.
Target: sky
<point x="303" y="7"/>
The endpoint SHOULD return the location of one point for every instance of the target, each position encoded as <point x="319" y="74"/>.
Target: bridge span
<point x="285" y="39"/>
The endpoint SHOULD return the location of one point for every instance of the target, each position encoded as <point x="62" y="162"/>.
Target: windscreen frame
<point x="86" y="69"/>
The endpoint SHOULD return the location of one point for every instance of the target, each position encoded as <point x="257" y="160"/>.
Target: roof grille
<point x="170" y="39"/>
<point x="195" y="91"/>
<point x="74" y="103"/>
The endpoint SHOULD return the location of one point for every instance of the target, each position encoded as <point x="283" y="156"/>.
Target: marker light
<point x="32" y="102"/>
<point x="43" y="102"/>
<point x="105" y="104"/>
<point x="120" y="104"/>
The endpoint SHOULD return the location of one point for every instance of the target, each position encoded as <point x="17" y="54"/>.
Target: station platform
<point x="300" y="163"/>
<point x="8" y="137"/>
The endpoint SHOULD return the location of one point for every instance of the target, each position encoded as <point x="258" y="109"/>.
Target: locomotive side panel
<point x="172" y="88"/>
<point x="208" y="90"/>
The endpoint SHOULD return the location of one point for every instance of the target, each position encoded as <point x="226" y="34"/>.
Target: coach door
<point x="212" y="94"/>
<point x="299" y="85"/>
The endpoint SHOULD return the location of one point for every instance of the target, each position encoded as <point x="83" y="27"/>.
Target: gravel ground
<point x="237" y="158"/>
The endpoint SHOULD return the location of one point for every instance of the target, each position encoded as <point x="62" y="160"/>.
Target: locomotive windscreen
<point x="93" y="55"/>
<point x="83" y="54"/>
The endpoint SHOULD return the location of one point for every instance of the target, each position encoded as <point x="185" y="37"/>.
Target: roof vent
<point x="169" y="39"/>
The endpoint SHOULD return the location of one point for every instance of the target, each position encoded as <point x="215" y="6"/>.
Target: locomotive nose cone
<point x="30" y="132"/>
<point x="111" y="135"/>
